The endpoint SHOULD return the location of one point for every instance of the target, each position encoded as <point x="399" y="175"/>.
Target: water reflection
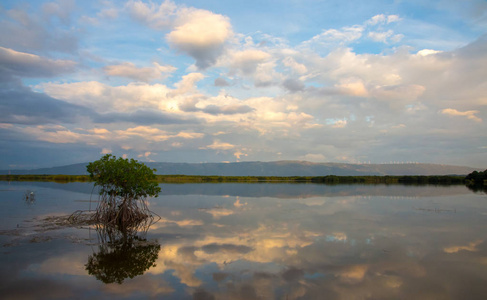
<point x="478" y="188"/>
<point x="121" y="255"/>
<point x="256" y="242"/>
<point x="29" y="197"/>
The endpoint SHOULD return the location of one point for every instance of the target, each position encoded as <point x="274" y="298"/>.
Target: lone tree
<point x="124" y="186"/>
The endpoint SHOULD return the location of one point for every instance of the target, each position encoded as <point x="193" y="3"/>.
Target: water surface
<point x="251" y="241"/>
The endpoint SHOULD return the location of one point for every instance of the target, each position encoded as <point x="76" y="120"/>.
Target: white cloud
<point x="188" y="83"/>
<point x="104" y="98"/>
<point x="382" y="19"/>
<point x="247" y="61"/>
<point x="353" y="86"/>
<point x="380" y="36"/>
<point x="56" y="134"/>
<point x="200" y="34"/>
<point x="219" y="145"/>
<point x="155" y="16"/>
<point x="470" y="114"/>
<point x="332" y="36"/>
<point x="426" y="52"/>
<point x="145" y="74"/>
<point x="154" y="134"/>
<point x="295" y="66"/>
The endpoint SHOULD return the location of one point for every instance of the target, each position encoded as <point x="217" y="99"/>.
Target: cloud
<point x="200" y="34"/>
<point x="215" y="248"/>
<point x="338" y="123"/>
<point x="219" y="145"/>
<point x="20" y="105"/>
<point x="48" y="31"/>
<point x="293" y="85"/>
<point x="382" y="19"/>
<point x="472" y="247"/>
<point x="60" y="9"/>
<point x="22" y="64"/>
<point x="108" y="99"/>
<point x="105" y="151"/>
<point x="155" y="134"/>
<point x="145" y="74"/>
<point x="353" y="273"/>
<point x="188" y="83"/>
<point x="55" y="134"/>
<point x="335" y="36"/>
<point x="295" y="66"/>
<point x="157" y="17"/>
<point x="247" y="61"/>
<point x="470" y="114"/>
<point x="385" y="36"/>
<point x="144" y="117"/>
<point x="227" y="109"/>
<point x="221" y="82"/>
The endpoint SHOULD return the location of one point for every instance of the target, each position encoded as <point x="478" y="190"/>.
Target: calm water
<point x="251" y="241"/>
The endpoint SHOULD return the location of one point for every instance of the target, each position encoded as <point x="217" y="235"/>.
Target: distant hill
<point x="277" y="168"/>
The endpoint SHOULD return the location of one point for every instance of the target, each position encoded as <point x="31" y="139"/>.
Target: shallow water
<point x="251" y="241"/>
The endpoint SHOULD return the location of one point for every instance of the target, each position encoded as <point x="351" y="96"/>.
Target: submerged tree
<point x="124" y="186"/>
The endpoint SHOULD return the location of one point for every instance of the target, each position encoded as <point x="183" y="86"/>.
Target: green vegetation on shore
<point x="329" y="179"/>
<point x="55" y="178"/>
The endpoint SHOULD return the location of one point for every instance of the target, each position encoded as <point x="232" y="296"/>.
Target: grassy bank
<point x="330" y="179"/>
<point x="55" y="178"/>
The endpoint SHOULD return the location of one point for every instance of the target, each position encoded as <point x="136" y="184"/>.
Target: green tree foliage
<point x="124" y="178"/>
<point x="124" y="185"/>
<point x="477" y="178"/>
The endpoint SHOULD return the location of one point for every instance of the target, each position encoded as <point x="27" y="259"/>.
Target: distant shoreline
<point x="328" y="179"/>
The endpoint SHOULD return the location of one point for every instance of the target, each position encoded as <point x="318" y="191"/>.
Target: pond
<point x="250" y="241"/>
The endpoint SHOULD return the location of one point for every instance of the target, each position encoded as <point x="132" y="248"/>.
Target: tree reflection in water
<point x="122" y="254"/>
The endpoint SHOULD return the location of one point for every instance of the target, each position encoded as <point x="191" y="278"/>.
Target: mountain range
<point x="276" y="168"/>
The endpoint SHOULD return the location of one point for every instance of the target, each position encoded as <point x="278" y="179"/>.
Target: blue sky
<point x="225" y="81"/>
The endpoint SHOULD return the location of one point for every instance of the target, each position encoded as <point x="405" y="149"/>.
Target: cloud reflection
<point x="322" y="247"/>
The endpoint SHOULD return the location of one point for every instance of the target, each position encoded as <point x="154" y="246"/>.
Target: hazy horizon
<point x="272" y="163"/>
<point x="217" y="81"/>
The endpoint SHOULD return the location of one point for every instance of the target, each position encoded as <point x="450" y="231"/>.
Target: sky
<point x="226" y="81"/>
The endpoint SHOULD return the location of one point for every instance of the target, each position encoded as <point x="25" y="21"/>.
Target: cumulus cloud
<point x="326" y="86"/>
<point x="247" y="61"/>
<point x="145" y="74"/>
<point x="382" y="19"/>
<point x="293" y="85"/>
<point x="295" y="66"/>
<point x="470" y="114"/>
<point x="108" y="99"/>
<point x="153" y="15"/>
<point x="221" y="82"/>
<point x="200" y="34"/>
